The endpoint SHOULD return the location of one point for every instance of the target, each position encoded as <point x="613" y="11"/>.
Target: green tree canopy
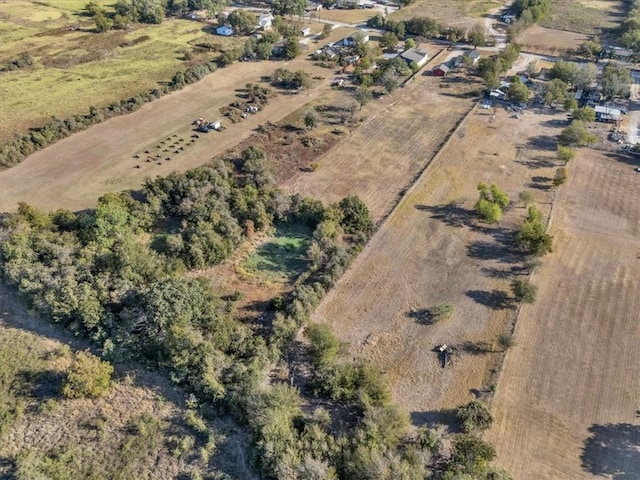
<point x="474" y="416"/>
<point x="585" y="114"/>
<point x="88" y="377"/>
<point x="524" y="291"/>
<point x="576" y="134"/>
<point x="242" y="21"/>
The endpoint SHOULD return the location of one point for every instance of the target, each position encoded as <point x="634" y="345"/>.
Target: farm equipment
<point x="205" y="126"/>
<point x="444" y="354"/>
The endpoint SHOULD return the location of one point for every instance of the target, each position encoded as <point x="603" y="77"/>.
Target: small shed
<point x="440" y="70"/>
<point x="306" y="31"/>
<point x="224" y="30"/>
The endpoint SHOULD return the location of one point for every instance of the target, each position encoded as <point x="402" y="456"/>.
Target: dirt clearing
<point x="431" y="251"/>
<point x="567" y="404"/>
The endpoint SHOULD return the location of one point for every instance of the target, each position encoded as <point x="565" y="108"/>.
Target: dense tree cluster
<point x="427" y="28"/>
<point x="631" y="27"/>
<point x="490" y="68"/>
<point x="576" y="74"/>
<point x="528" y="12"/>
<point x="533" y="236"/>
<point x="491" y="202"/>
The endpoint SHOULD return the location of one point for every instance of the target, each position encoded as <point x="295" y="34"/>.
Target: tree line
<point x="13" y="152"/>
<point x="428" y="28"/>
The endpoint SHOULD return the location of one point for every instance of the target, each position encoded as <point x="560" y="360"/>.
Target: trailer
<point x="205" y="126"/>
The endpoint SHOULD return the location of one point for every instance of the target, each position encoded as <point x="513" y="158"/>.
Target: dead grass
<point x="590" y="17"/>
<point x="431" y="250"/>
<point x="102" y="158"/>
<point x="567" y="402"/>
<point x="463" y="13"/>
<point x="543" y="40"/>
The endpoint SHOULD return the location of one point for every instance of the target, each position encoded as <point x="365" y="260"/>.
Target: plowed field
<point x="567" y="404"/>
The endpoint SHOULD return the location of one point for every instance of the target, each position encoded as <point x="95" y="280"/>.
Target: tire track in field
<point x="577" y="359"/>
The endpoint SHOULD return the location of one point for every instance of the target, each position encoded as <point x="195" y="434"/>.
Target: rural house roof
<point x="443" y="68"/>
<point x="414" y="55"/>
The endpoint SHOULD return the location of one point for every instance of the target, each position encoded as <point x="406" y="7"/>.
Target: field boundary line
<point x="421" y="173"/>
<point x="514" y="321"/>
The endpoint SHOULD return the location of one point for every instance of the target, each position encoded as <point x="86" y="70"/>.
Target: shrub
<point x="524" y="291"/>
<point x="474" y="416"/>
<point x="441" y="312"/>
<point x="324" y="345"/>
<point x="88" y="377"/>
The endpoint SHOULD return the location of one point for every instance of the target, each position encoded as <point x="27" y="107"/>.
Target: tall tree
<point x="615" y="81"/>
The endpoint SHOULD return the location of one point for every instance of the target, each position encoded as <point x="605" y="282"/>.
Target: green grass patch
<point x="20" y="361"/>
<point x="79" y="68"/>
<point x="283" y="257"/>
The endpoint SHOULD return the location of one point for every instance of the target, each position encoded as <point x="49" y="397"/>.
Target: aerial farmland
<point x="319" y="240"/>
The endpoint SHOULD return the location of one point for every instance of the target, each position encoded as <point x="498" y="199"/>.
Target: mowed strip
<point x="430" y="251"/>
<point x="567" y="403"/>
<point x="74" y="172"/>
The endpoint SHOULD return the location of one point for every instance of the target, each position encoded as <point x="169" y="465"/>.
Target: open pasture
<point x="78" y="68"/>
<point x="568" y="401"/>
<point x="591" y="17"/>
<point x="431" y="250"/>
<point x="77" y="170"/>
<point x="459" y="13"/>
<point x="544" y="40"/>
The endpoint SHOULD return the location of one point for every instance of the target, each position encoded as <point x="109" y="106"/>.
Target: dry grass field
<point x="461" y="13"/>
<point x="431" y="250"/>
<point x="590" y="17"/>
<point x="74" y="172"/>
<point x="78" y="68"/>
<point x="568" y="401"/>
<point x="544" y="40"/>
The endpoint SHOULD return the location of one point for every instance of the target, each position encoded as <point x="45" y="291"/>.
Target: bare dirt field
<point x="543" y="40"/>
<point x="568" y="400"/>
<point x="400" y="133"/>
<point x="431" y="250"/>
<point x="74" y="172"/>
